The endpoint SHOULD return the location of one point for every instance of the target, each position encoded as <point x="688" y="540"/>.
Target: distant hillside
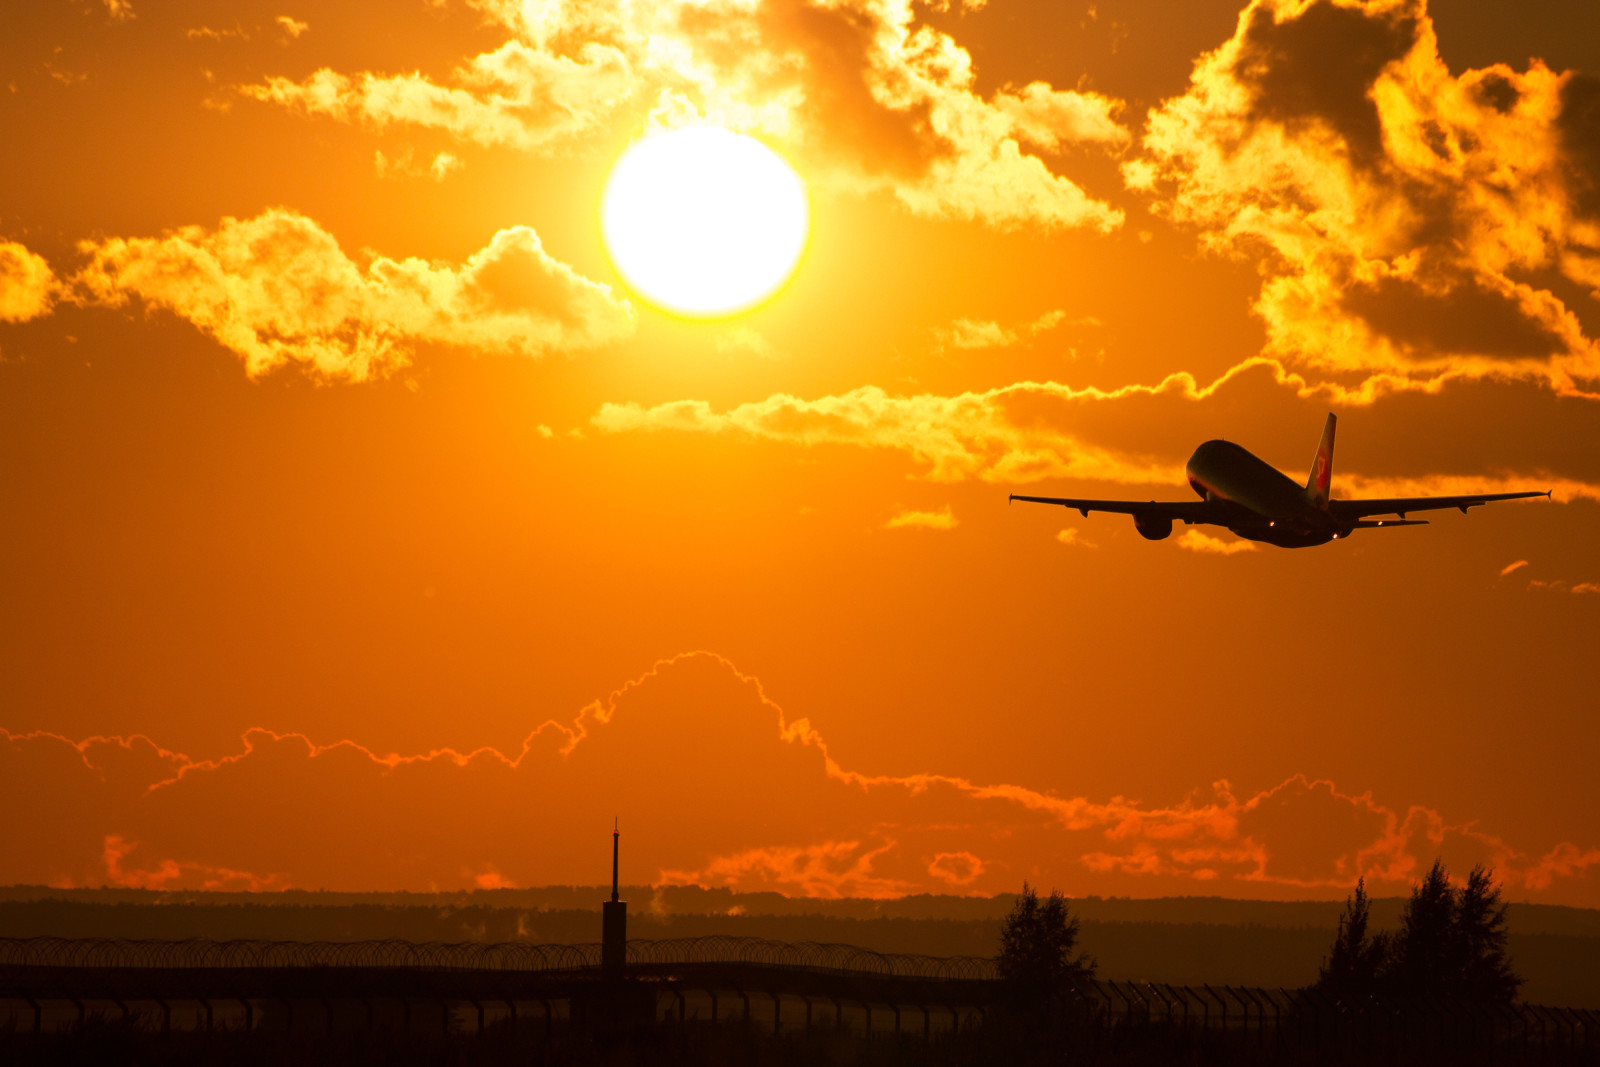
<point x="693" y="900"/>
<point x="1182" y="940"/>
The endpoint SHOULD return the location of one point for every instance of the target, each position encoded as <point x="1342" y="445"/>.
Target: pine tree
<point x="1427" y="953"/>
<point x="1356" y="960"/>
<point x="1481" y="929"/>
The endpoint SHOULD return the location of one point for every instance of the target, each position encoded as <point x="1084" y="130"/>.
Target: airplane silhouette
<point x="1257" y="502"/>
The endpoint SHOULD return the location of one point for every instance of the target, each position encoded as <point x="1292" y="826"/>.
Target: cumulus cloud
<point x="127" y="811"/>
<point x="860" y="93"/>
<point x="292" y="26"/>
<point x="943" y="519"/>
<point x="28" y="286"/>
<point x="1072" y="538"/>
<point x="278" y="290"/>
<point x="1406" y="220"/>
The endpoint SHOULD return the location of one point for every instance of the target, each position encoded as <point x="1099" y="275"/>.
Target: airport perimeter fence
<point x="53" y="983"/>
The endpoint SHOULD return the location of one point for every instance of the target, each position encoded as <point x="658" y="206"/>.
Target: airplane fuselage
<point x="1255" y="500"/>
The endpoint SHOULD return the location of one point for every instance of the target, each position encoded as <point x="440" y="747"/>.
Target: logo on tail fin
<point x="1322" y="467"/>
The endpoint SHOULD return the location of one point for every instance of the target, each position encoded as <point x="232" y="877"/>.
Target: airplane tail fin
<point x="1322" y="467"/>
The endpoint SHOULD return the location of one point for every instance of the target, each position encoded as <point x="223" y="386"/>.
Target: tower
<point x="613" y="923"/>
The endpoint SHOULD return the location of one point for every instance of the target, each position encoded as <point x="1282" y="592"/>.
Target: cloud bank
<point x="1015" y="434"/>
<point x="718" y="785"/>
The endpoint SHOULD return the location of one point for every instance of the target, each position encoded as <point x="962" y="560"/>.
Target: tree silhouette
<point x="1481" y="928"/>
<point x="1037" y="941"/>
<point x="1450" y="942"/>
<point x="1357" y="958"/>
<point x="1427" y="951"/>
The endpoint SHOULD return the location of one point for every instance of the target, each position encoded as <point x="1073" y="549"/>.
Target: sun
<point x="704" y="222"/>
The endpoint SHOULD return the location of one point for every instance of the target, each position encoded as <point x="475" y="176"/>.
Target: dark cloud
<point x="1579" y="126"/>
<point x="1466" y="317"/>
<point x="1320" y="66"/>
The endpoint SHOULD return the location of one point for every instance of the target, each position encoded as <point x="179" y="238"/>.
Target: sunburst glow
<point x="703" y="221"/>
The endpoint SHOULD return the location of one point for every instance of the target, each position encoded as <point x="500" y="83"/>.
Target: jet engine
<point x="1152" y="527"/>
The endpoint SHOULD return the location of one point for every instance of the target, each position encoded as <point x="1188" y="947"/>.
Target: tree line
<point x="1451" y="941"/>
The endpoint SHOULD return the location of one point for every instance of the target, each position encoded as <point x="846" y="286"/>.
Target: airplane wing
<point x="1178" y="511"/>
<point x="1358" y="509"/>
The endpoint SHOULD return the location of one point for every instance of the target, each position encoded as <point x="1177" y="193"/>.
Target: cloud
<point x="292" y="26"/>
<point x="28" y="286"/>
<point x="206" y="33"/>
<point x="404" y="165"/>
<point x="956" y="868"/>
<point x="171" y="874"/>
<point x="862" y="96"/>
<point x="981" y="333"/>
<point x="1195" y="541"/>
<point x="942" y="519"/>
<point x="696" y="730"/>
<point x="1406" y="221"/>
<point x="1509" y="567"/>
<point x="278" y="290"/>
<point x="517" y="95"/>
<point x="831" y="869"/>
<point x="998" y="435"/>
<point x="1013" y="434"/>
<point x="1561" y="585"/>
<point x="1071" y="537"/>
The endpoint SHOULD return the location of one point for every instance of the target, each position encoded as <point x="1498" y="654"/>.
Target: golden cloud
<point x="28" y="286"/>
<point x="277" y="289"/>
<point x="1012" y="434"/>
<point x="982" y="333"/>
<point x="517" y="95"/>
<point x="695" y="728"/>
<point x="1071" y="537"/>
<point x="942" y="519"/>
<point x="858" y="92"/>
<point x="1195" y="541"/>
<point x="1405" y="219"/>
<point x="995" y="435"/>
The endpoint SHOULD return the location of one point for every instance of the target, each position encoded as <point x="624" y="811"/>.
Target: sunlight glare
<point x="703" y="221"/>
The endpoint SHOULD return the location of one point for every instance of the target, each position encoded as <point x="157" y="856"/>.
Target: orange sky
<point x="361" y="530"/>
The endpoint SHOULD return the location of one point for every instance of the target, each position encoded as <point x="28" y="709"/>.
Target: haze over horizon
<point x="363" y="530"/>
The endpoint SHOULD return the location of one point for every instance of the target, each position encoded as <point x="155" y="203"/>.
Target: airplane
<point x="1259" y="503"/>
